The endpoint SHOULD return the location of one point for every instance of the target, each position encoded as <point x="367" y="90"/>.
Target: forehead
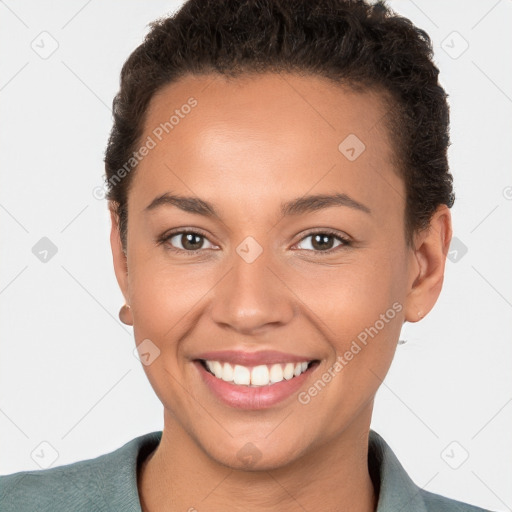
<point x="260" y="136"/>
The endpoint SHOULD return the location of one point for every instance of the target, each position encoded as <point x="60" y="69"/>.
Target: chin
<point x="248" y="453"/>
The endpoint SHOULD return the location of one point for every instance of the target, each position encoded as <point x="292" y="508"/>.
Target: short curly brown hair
<point x="351" y="42"/>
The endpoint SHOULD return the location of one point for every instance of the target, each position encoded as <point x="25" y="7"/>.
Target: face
<point x="290" y="248"/>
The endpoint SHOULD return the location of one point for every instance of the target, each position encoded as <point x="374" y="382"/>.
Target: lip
<point x="253" y="398"/>
<point x="249" y="359"/>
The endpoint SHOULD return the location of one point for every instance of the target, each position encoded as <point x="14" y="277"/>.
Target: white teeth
<point x="288" y="371"/>
<point x="217" y="369"/>
<point x="241" y="375"/>
<point x="261" y="375"/>
<point x="276" y="373"/>
<point x="227" y="372"/>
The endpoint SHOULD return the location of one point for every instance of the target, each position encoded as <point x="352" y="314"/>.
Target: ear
<point x="426" y="271"/>
<point x="118" y="255"/>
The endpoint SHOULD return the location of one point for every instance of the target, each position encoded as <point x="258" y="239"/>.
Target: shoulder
<point x="397" y="491"/>
<point x="437" y="503"/>
<point x="60" y="488"/>
<point x="102" y="483"/>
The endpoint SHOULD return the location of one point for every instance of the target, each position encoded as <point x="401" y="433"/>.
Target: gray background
<point x="68" y="375"/>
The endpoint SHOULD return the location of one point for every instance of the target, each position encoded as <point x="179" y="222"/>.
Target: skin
<point x="242" y="136"/>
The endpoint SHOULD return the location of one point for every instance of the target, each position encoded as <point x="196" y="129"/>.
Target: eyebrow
<point x="298" y="206"/>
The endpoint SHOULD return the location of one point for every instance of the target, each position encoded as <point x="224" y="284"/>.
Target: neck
<point x="180" y="476"/>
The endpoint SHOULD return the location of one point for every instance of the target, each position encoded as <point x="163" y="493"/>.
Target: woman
<point x="280" y="200"/>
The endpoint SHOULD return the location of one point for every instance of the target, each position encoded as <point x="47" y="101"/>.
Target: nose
<point x="253" y="296"/>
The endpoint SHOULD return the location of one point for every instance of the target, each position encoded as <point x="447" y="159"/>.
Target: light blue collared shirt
<point x="109" y="483"/>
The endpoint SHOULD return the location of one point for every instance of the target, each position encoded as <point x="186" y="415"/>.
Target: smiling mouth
<point x="256" y="376"/>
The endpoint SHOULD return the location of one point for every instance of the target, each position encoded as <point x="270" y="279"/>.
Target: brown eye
<point x="188" y="241"/>
<point x="324" y="241"/>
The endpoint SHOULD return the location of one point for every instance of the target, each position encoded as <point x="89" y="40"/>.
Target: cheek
<point x="360" y="306"/>
<point x="351" y="296"/>
<point x="163" y="294"/>
<point x="165" y="299"/>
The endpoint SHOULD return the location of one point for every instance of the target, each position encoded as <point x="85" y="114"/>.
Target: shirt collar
<point x="397" y="491"/>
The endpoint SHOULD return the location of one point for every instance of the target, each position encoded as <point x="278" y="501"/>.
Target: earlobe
<point x="118" y="255"/>
<point x="125" y="315"/>
<point x="426" y="271"/>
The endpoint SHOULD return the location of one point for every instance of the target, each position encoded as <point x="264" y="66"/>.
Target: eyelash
<point x="167" y="236"/>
